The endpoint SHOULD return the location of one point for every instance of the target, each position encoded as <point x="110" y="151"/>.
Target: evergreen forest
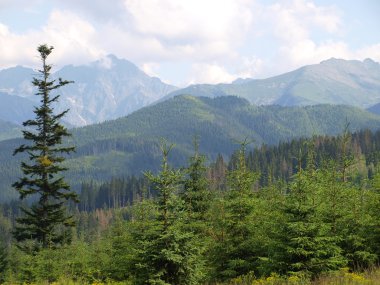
<point x="294" y="212"/>
<point x="302" y="211"/>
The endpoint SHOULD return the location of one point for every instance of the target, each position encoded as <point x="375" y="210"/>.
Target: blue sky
<point x="191" y="41"/>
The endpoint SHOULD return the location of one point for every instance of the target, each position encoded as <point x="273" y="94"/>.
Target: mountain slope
<point x="108" y="89"/>
<point x="9" y="130"/>
<point x="112" y="88"/>
<point x="334" y="81"/>
<point x="16" y="81"/>
<point x="103" y="90"/>
<point x="375" y="109"/>
<point x="15" y="109"/>
<point x="130" y="145"/>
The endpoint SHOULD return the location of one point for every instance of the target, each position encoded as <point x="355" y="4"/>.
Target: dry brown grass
<point x="341" y="277"/>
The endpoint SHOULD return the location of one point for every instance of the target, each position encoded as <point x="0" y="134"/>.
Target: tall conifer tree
<point x="46" y="221"/>
<point x="167" y="252"/>
<point x="308" y="245"/>
<point x="235" y="253"/>
<point x="196" y="194"/>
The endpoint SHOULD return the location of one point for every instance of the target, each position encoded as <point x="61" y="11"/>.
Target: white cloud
<point x="372" y="51"/>
<point x="209" y="34"/>
<point x="245" y="67"/>
<point x="249" y="67"/>
<point x="306" y="52"/>
<point x="190" y="20"/>
<point x="305" y="34"/>
<point x="325" y="17"/>
<point x="73" y="38"/>
<point x="298" y="19"/>
<point x="105" y="62"/>
<point x="192" y="29"/>
<point x="210" y="73"/>
<point x="150" y="68"/>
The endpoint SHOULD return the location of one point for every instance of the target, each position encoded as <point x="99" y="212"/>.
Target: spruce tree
<point x="46" y="222"/>
<point x="196" y="194"/>
<point x="373" y="231"/>
<point x="235" y="253"/>
<point x="308" y="245"/>
<point x="166" y="252"/>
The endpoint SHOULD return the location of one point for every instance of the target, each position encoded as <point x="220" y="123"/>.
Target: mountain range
<point x="121" y="114"/>
<point x="334" y="81"/>
<point x="103" y="90"/>
<point x="131" y="144"/>
<point x="111" y="88"/>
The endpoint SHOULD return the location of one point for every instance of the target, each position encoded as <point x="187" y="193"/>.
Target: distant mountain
<point x="16" y="81"/>
<point x="15" y="109"/>
<point x="103" y="90"/>
<point x="9" y="130"/>
<point x="375" y="109"/>
<point x="111" y="88"/>
<point x="130" y="144"/>
<point x="334" y="81"/>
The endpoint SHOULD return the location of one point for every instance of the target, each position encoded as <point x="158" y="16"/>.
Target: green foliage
<point x="130" y="145"/>
<point x="166" y="253"/>
<point x="45" y="221"/>
<point x="372" y="225"/>
<point x="323" y="219"/>
<point x="308" y="245"/>
<point x="3" y="259"/>
<point x="78" y="261"/>
<point x="236" y="253"/>
<point x="121" y="253"/>
<point x="196" y="194"/>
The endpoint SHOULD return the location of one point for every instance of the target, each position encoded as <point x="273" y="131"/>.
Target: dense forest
<point x="294" y="211"/>
<point x="287" y="214"/>
<point x="130" y="145"/>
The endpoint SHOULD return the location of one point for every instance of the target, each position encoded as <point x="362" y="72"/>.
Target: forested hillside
<point x="180" y="142"/>
<point x="130" y="145"/>
<point x="275" y="163"/>
<point x="315" y="216"/>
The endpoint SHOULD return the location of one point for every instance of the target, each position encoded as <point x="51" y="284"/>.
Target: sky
<point x="191" y="41"/>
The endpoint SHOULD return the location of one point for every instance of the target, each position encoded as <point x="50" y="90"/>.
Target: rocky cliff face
<point x="103" y="90"/>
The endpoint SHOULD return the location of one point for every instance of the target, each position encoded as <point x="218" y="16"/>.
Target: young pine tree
<point x="308" y="245"/>
<point x="196" y="194"/>
<point x="235" y="253"/>
<point x="46" y="222"/>
<point x="166" y="252"/>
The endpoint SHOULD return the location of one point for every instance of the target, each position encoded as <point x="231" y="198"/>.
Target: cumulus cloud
<point x="150" y="68"/>
<point x="210" y="73"/>
<point x="195" y="20"/>
<point x="372" y="51"/>
<point x="294" y="25"/>
<point x="197" y="30"/>
<point x="210" y="35"/>
<point x="143" y="31"/>
<point x="73" y="38"/>
<point x="249" y="67"/>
